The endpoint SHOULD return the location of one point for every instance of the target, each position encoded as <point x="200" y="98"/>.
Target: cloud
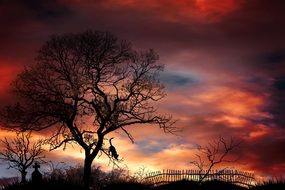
<point x="7" y="75"/>
<point x="266" y="162"/>
<point x="224" y="68"/>
<point x="200" y="10"/>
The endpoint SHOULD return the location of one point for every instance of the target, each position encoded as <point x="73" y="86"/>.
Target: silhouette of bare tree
<point x="214" y="153"/>
<point x="20" y="153"/>
<point x="90" y="76"/>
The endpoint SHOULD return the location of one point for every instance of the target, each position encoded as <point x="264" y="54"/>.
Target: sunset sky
<point x="224" y="72"/>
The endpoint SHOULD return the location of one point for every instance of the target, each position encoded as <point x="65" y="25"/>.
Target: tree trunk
<point x="23" y="176"/>
<point x="87" y="172"/>
<point x="89" y="157"/>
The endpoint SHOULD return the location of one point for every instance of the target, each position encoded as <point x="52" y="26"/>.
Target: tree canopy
<point x="85" y="86"/>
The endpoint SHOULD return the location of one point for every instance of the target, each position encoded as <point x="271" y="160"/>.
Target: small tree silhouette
<point x="213" y="154"/>
<point x="90" y="76"/>
<point x="20" y="153"/>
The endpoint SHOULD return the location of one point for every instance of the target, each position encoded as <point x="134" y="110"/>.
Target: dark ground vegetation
<point x="121" y="180"/>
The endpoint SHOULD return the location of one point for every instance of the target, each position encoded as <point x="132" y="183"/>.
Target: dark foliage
<point x="181" y="185"/>
<point x="214" y="185"/>
<point x="208" y="185"/>
<point x="46" y="184"/>
<point x="270" y="185"/>
<point x="110" y="183"/>
<point x="126" y="186"/>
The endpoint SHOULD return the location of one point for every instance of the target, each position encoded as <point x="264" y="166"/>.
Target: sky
<point x="224" y="72"/>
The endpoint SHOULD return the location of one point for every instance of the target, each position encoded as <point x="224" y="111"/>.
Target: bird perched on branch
<point x="112" y="150"/>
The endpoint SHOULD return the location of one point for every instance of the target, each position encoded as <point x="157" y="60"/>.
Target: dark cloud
<point x="279" y="84"/>
<point x="33" y="9"/>
<point x="271" y="62"/>
<point x="26" y="24"/>
<point x="45" y="10"/>
<point x="266" y="155"/>
<point x="272" y="65"/>
<point x="275" y="57"/>
<point x="276" y="102"/>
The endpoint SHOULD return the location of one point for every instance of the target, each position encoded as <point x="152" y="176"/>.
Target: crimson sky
<point x="224" y="70"/>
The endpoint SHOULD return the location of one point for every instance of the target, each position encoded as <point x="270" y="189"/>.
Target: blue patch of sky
<point x="150" y="146"/>
<point x="176" y="79"/>
<point x="8" y="172"/>
<point x="154" y="145"/>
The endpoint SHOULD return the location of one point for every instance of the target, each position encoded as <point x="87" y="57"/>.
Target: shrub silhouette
<point x="46" y="184"/>
<point x="220" y="185"/>
<point x="181" y="185"/>
<point x="270" y="185"/>
<point x="126" y="186"/>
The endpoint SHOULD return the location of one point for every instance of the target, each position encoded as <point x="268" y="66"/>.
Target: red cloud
<point x="7" y="74"/>
<point x="199" y="10"/>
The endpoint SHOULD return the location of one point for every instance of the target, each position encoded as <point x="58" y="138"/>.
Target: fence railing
<point x="232" y="176"/>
